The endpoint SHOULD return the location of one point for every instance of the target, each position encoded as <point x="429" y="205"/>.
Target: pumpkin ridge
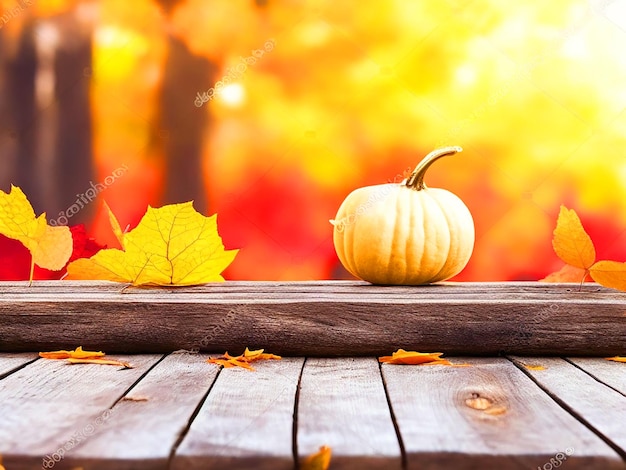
<point x="450" y="242"/>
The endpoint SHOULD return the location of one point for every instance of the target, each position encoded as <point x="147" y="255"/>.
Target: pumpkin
<point x="404" y="233"/>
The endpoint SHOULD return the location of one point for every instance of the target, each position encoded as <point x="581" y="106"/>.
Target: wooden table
<point x="174" y="410"/>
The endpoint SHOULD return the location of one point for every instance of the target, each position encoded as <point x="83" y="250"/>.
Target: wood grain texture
<point x="320" y="319"/>
<point x="52" y="406"/>
<point x="489" y="415"/>
<point x="9" y="362"/>
<point x="610" y="373"/>
<point x="342" y="404"/>
<point x="596" y="404"/>
<point x="246" y="421"/>
<point x="146" y="423"/>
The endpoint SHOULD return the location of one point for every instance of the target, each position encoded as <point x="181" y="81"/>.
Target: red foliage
<point x="15" y="258"/>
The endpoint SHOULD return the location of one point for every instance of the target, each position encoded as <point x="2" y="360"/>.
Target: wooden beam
<point x="323" y="318"/>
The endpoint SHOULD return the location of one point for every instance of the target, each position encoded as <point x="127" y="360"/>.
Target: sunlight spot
<point x="233" y="95"/>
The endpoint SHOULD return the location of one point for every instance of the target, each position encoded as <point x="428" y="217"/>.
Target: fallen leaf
<point x="77" y="353"/>
<point x="171" y="245"/>
<point x="232" y="362"/>
<point x="50" y="247"/>
<point x="534" y="367"/>
<point x="319" y="460"/>
<point x="414" y="358"/>
<point x="616" y="358"/>
<point x="571" y="243"/>
<point x="106" y="362"/>
<point x="610" y="274"/>
<point x="243" y="360"/>
<point x="258" y="355"/>
<point x="567" y="273"/>
<point x="1" y="466"/>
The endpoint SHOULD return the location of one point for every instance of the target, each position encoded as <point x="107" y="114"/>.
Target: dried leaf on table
<point x="77" y="353"/>
<point x="319" y="460"/>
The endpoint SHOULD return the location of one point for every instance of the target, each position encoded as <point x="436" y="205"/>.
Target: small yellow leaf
<point x="567" y="273"/>
<point x="616" y="359"/>
<point x="610" y="274"/>
<point x="172" y="245"/>
<point x="319" y="460"/>
<point x="571" y="243"/>
<point x="108" y="362"/>
<point x="50" y="247"/>
<point x="115" y="225"/>
<point x="534" y="367"/>
<point x="77" y="353"/>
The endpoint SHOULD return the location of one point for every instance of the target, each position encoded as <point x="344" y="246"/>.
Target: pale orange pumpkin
<point x="406" y="233"/>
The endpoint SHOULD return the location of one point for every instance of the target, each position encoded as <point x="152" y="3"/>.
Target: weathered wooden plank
<point x="537" y="289"/>
<point x="292" y="320"/>
<point x="609" y="372"/>
<point x="246" y="421"/>
<point x="49" y="407"/>
<point x="593" y="402"/>
<point x="146" y="423"/>
<point x="489" y="415"/>
<point x="342" y="404"/>
<point x="10" y="362"/>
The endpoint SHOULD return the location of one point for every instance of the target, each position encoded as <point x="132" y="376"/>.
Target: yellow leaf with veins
<point x="50" y="247"/>
<point x="609" y="274"/>
<point x="571" y="243"/>
<point x="172" y="245"/>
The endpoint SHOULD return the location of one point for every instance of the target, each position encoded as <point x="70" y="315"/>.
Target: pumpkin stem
<point x="416" y="180"/>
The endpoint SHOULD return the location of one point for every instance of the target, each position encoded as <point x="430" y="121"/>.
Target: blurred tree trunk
<point x="19" y="114"/>
<point x="46" y="123"/>
<point x="182" y="126"/>
<point x="74" y="168"/>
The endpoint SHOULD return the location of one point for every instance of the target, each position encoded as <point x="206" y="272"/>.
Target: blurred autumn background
<point x="351" y="94"/>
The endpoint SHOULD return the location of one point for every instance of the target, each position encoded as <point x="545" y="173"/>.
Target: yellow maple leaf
<point x="319" y="460"/>
<point x="172" y="245"/>
<point x="77" y="353"/>
<point x="609" y="274"/>
<point x="571" y="243"/>
<point x="50" y="247"/>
